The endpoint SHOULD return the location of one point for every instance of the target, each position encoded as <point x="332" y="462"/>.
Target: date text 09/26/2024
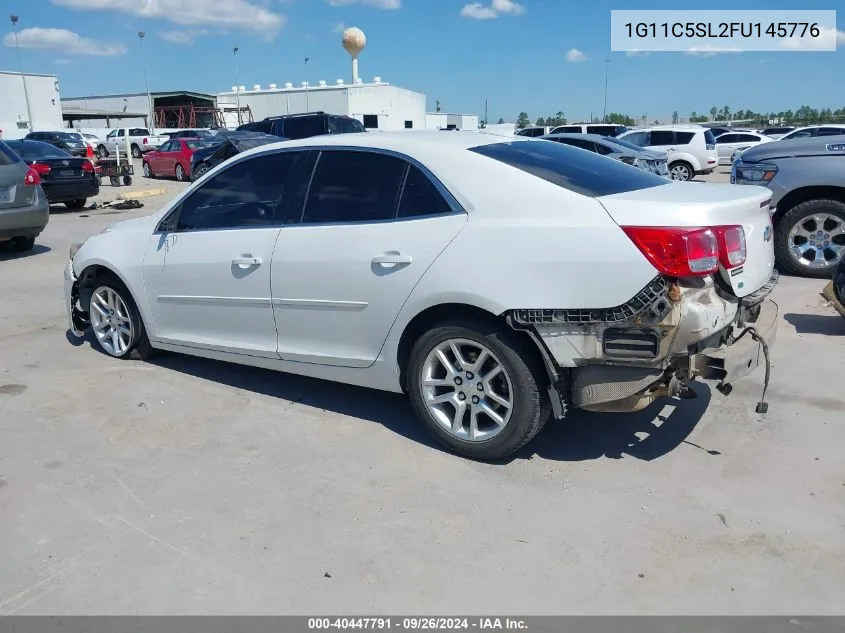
<point x="418" y="623"/>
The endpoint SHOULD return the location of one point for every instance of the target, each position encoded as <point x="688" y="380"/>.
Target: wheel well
<point x="430" y="317"/>
<point x="803" y="194"/>
<point x="87" y="279"/>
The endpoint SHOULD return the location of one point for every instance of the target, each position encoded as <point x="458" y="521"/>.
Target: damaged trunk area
<point x="671" y="332"/>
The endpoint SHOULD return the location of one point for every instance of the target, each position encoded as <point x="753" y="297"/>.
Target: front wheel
<point x="180" y="173"/>
<point x="136" y="151"/>
<point x="477" y="389"/>
<point x="810" y="238"/>
<point x="681" y="171"/>
<point x="116" y="322"/>
<point x="148" y="173"/>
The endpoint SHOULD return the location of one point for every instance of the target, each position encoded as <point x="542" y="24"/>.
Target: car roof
<point x="815" y="125"/>
<point x="693" y="128"/>
<point x="406" y="141"/>
<point x="598" y="138"/>
<point x="805" y="147"/>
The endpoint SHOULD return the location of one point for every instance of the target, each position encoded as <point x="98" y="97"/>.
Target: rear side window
<point x="830" y="131"/>
<point x="727" y="138"/>
<point x="640" y="139"/>
<point x="420" y="196"/>
<point x="662" y="137"/>
<point x="568" y="129"/>
<point x="304" y="127"/>
<point x="582" y="172"/>
<point x="604" y="130"/>
<point x="354" y="187"/>
<point x="343" y="125"/>
<point x="684" y="138"/>
<point x="7" y="155"/>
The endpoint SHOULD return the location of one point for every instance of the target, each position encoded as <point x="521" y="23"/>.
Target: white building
<point x="44" y="104"/>
<point x="378" y="105"/>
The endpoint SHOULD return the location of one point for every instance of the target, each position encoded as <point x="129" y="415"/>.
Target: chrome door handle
<point x="392" y="257"/>
<point x="247" y="261"/>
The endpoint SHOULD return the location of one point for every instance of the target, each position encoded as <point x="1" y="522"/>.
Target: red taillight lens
<point x="88" y="167"/>
<point x="32" y="178"/>
<point x="89" y="152"/>
<point x="41" y="168"/>
<point x="732" y="249"/>
<point x="144" y="142"/>
<point x="677" y="252"/>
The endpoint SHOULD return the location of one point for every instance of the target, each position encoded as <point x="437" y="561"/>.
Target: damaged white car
<point x="497" y="282"/>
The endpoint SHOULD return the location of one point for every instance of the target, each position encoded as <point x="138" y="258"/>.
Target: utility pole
<point x="485" y="113"/>
<point x="606" y="72"/>
<point x="307" y="105"/>
<point x="14" y="20"/>
<point x="237" y="84"/>
<point x="151" y="122"/>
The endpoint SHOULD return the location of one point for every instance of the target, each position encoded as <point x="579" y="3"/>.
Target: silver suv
<point x="807" y="180"/>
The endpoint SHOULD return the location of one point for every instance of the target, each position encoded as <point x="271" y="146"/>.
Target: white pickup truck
<point x="137" y="140"/>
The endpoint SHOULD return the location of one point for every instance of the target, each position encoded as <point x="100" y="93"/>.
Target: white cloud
<point x="61" y="61"/>
<point x="479" y="11"/>
<point x="67" y="42"/>
<point x="574" y="55"/>
<point x="181" y="37"/>
<point x="708" y="50"/>
<point x="828" y="38"/>
<point x="338" y="27"/>
<point x="637" y="53"/>
<point x="378" y="4"/>
<point x="234" y="14"/>
<point x="508" y="7"/>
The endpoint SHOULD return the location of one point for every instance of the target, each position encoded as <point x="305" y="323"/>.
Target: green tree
<point x="522" y="120"/>
<point x="675" y="117"/>
<point x="656" y="122"/>
<point x="725" y="113"/>
<point x="540" y="122"/>
<point x="621" y="119"/>
<point x="714" y="112"/>
<point x="501" y="121"/>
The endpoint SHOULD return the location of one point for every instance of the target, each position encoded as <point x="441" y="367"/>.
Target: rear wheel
<point x="681" y="171"/>
<point x="810" y="238"/>
<point x="116" y="321"/>
<point x="136" y="151"/>
<point x="102" y="152"/>
<point x="200" y="171"/>
<point x="180" y="173"/>
<point x="148" y="173"/>
<point x="476" y="389"/>
<point x="76" y="204"/>
<point x="114" y="180"/>
<point x="23" y="244"/>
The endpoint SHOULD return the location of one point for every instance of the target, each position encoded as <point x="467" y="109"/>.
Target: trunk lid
<point x="680" y="204"/>
<point x="63" y="169"/>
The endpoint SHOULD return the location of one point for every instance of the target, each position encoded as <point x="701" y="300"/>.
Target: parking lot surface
<point x="192" y="486"/>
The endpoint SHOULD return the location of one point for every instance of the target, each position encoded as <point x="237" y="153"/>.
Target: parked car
<point x="63" y="177"/>
<point x="350" y="258"/>
<point x="305" y="125"/>
<point x="654" y="162"/>
<point x="224" y="146"/>
<point x="71" y="142"/>
<point x="192" y="134"/>
<point x="172" y="159"/>
<point x="602" y="129"/>
<point x="807" y="182"/>
<point x="718" y="131"/>
<point x="533" y="131"/>
<point x="24" y="210"/>
<point x="776" y="132"/>
<point x="728" y="144"/>
<point x="136" y="140"/>
<point x="691" y="149"/>
<point x="829" y="129"/>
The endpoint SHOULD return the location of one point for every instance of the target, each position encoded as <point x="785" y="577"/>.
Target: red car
<point x="173" y="158"/>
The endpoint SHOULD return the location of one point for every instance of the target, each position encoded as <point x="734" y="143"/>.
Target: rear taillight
<point x="32" y="178"/>
<point x="144" y="142"/>
<point x="89" y="152"/>
<point x="88" y="166"/>
<point x="42" y="168"/>
<point x="731" y="245"/>
<point x="677" y="252"/>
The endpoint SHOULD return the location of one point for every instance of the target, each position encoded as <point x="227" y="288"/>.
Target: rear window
<point x="582" y="172"/>
<point x="8" y="155"/>
<point x="709" y="137"/>
<point x="344" y="125"/>
<point x="33" y="150"/>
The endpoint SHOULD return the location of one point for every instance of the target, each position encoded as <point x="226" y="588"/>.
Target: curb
<point x="137" y="195"/>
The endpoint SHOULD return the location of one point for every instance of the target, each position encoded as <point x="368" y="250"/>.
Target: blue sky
<point x="517" y="55"/>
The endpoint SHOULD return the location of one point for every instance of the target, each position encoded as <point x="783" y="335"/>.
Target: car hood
<point x="792" y="148"/>
<point x="144" y="224"/>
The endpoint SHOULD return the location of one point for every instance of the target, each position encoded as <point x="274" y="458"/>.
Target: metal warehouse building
<point x="176" y="109"/>
<point x="44" y="104"/>
<point x="378" y="105"/>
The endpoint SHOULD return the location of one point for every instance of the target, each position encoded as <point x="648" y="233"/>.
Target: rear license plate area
<point x="68" y="173"/>
<point x="5" y="194"/>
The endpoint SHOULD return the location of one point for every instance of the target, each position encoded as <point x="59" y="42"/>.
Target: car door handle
<point x="392" y="257"/>
<point x="247" y="261"/>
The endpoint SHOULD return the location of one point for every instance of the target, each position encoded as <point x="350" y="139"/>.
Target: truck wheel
<point x="136" y="151"/>
<point x="477" y="389"/>
<point x="115" y="181"/>
<point x="116" y="321"/>
<point x="810" y="238"/>
<point x="102" y="152"/>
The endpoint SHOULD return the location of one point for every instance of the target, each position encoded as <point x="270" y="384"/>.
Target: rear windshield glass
<point x="709" y="137"/>
<point x="582" y="172"/>
<point x="33" y="150"/>
<point x="7" y="155"/>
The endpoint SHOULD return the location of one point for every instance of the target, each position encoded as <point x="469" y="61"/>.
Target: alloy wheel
<point x="110" y="321"/>
<point x="680" y="172"/>
<point x="467" y="390"/>
<point x="180" y="173"/>
<point x="148" y="173"/>
<point x="817" y="241"/>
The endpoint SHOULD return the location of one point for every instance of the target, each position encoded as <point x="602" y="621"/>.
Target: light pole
<point x="307" y="105"/>
<point x="235" y="50"/>
<point x="141" y="36"/>
<point x="606" y="71"/>
<point x="14" y="20"/>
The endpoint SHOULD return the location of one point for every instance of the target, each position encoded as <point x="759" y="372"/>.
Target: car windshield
<point x="7" y="155"/>
<point x="67" y="136"/>
<point x="91" y="136"/>
<point x="34" y="150"/>
<point x="582" y="172"/>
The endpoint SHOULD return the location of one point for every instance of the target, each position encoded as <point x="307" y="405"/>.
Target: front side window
<point x="246" y="195"/>
<point x="727" y="138"/>
<point x="582" y="172"/>
<point x="305" y="127"/>
<point x="799" y="134"/>
<point x="420" y="197"/>
<point x="660" y="138"/>
<point x="604" y="150"/>
<point x="354" y="187"/>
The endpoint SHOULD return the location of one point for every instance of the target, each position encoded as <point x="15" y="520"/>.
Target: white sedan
<point x="731" y="142"/>
<point x="495" y="281"/>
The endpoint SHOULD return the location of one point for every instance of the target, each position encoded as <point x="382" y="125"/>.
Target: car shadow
<point x="831" y="325"/>
<point x="6" y="252"/>
<point x="645" y="435"/>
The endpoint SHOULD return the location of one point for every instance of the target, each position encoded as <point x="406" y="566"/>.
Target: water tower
<point x="354" y="42"/>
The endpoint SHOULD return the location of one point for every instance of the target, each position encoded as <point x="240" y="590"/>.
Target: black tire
<point x="76" y="204"/>
<point x="102" y="152"/>
<point x="23" y="244"/>
<point x="114" y="180"/>
<point x="795" y="216"/>
<point x="683" y="168"/>
<point x="148" y="172"/>
<point x="127" y="180"/>
<point x="531" y="409"/>
<point x="201" y="170"/>
<point x="139" y="346"/>
<point x="136" y="151"/>
<point x="180" y="173"/>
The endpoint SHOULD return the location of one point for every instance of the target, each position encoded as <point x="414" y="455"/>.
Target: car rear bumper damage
<point x="670" y="333"/>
